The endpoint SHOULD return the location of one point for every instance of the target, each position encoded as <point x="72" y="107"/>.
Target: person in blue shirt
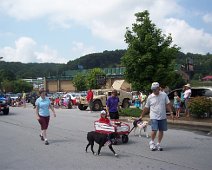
<point x="42" y="114"/>
<point x="176" y="104"/>
<point x="137" y="100"/>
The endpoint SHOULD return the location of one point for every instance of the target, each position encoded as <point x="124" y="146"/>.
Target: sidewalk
<point x="182" y="124"/>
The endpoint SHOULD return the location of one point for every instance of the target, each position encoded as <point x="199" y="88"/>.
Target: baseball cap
<point x="103" y="112"/>
<point x="154" y="85"/>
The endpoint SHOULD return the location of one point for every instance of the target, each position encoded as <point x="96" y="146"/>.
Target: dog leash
<point x="131" y="129"/>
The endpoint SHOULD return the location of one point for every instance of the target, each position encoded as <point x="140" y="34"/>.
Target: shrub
<point x="132" y="112"/>
<point x="198" y="106"/>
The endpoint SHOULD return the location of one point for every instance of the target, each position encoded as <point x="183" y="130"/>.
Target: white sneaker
<point x="159" y="148"/>
<point x="152" y="146"/>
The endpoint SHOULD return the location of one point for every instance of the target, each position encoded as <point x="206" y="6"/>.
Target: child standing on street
<point x="137" y="100"/>
<point x="177" y="104"/>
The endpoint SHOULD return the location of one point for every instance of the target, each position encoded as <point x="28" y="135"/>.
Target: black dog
<point x="101" y="139"/>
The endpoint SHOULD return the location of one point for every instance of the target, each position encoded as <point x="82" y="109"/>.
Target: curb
<point x="189" y="125"/>
<point x="192" y="125"/>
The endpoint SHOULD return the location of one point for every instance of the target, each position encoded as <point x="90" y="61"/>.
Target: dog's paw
<point x="95" y="153"/>
<point x="140" y="136"/>
<point x="99" y="154"/>
<point x="147" y="136"/>
<point x="116" y="155"/>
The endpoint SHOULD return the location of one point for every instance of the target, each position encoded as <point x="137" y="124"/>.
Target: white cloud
<point x="25" y="51"/>
<point x="187" y="37"/>
<point x="107" y="20"/>
<point x="207" y="18"/>
<point x="79" y="48"/>
<point x="49" y="55"/>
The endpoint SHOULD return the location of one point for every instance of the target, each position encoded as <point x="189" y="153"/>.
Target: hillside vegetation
<point x="202" y="64"/>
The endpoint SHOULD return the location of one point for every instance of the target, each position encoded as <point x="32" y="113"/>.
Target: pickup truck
<point x="4" y="107"/>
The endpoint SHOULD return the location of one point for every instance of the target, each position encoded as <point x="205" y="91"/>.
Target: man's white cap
<point x="103" y="112"/>
<point x="155" y="85"/>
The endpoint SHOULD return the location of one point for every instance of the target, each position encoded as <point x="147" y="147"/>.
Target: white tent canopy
<point x="121" y="85"/>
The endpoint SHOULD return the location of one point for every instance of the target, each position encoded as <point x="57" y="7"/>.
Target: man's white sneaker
<point x="152" y="146"/>
<point x="159" y="148"/>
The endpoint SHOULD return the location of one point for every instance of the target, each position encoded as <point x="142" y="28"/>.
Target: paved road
<point x="21" y="148"/>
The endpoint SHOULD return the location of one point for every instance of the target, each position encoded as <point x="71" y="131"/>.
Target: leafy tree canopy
<point x="84" y="81"/>
<point x="91" y="78"/>
<point x="79" y="82"/>
<point x="150" y="56"/>
<point x="16" y="86"/>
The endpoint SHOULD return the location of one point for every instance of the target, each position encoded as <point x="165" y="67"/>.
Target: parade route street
<point x="22" y="149"/>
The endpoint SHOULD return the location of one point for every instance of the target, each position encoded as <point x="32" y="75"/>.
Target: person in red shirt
<point x="90" y="98"/>
<point x="57" y="102"/>
<point x="103" y="118"/>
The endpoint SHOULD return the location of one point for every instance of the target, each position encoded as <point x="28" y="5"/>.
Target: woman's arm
<point x="37" y="113"/>
<point x="52" y="108"/>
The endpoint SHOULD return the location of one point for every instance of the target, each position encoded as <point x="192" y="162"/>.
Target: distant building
<point x="37" y="83"/>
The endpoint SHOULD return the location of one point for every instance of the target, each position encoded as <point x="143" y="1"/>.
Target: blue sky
<point x="60" y="31"/>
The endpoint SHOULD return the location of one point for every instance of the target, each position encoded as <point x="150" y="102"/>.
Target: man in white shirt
<point x="156" y="104"/>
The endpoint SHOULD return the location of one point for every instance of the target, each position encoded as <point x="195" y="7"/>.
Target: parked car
<point x="4" y="106"/>
<point x="15" y="96"/>
<point x="79" y="95"/>
<point x="195" y="91"/>
<point x="71" y="96"/>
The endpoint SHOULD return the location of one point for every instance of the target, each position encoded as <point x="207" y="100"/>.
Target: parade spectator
<point x="187" y="95"/>
<point x="143" y="98"/>
<point x="176" y="104"/>
<point x="90" y="99"/>
<point x="57" y="102"/>
<point x="43" y="115"/>
<point x="182" y="100"/>
<point x="23" y="99"/>
<point x="112" y="105"/>
<point x="156" y="104"/>
<point x="137" y="100"/>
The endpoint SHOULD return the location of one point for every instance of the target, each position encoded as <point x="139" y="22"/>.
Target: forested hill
<point x="29" y="70"/>
<point x="34" y="70"/>
<point x="202" y="64"/>
<point x="102" y="60"/>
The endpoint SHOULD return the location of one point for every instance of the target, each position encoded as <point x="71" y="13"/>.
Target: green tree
<point x="20" y="85"/>
<point x="7" y="86"/>
<point x="92" y="78"/>
<point x="150" y="56"/>
<point x="16" y="86"/>
<point x="79" y="82"/>
<point x="7" y="75"/>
